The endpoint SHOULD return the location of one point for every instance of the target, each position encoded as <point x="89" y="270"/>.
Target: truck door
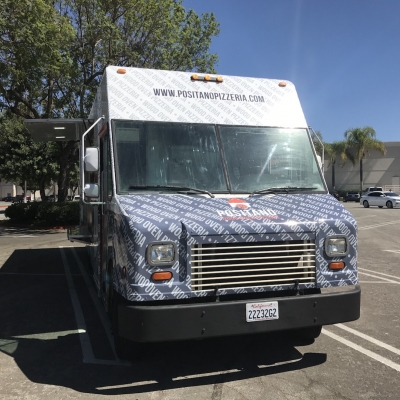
<point x="105" y="198"/>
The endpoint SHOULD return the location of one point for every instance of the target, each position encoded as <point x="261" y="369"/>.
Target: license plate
<point x="262" y="311"/>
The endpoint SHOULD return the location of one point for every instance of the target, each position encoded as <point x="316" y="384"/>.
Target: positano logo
<point x="242" y="210"/>
<point x="239" y="203"/>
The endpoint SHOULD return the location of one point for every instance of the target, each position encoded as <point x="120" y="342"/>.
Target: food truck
<point x="205" y="210"/>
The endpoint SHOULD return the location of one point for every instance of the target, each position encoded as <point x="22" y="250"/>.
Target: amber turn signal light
<point x="336" y="265"/>
<point x="162" y="276"/>
<point x="121" y="71"/>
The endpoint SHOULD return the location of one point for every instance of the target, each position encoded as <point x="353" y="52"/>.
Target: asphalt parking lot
<point x="55" y="339"/>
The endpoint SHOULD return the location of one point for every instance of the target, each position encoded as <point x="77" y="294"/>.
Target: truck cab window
<point x="258" y="158"/>
<point x="149" y="154"/>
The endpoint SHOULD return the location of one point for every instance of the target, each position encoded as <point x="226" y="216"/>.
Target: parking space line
<point x="49" y="335"/>
<point x="379" y="273"/>
<point x="379" y="277"/>
<point x="369" y="339"/>
<point x="88" y="356"/>
<point x="103" y="318"/>
<point x="362" y="228"/>
<point x="86" y="346"/>
<point x="360" y="349"/>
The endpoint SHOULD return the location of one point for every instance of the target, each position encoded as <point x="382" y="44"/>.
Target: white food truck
<point x="205" y="211"/>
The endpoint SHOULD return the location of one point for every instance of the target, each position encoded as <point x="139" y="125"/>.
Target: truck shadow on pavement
<point x="39" y="331"/>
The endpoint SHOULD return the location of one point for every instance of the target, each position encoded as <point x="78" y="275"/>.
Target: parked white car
<point x="380" y="199"/>
<point x="373" y="189"/>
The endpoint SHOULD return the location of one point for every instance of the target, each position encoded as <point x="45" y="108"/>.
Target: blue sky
<point x="342" y="55"/>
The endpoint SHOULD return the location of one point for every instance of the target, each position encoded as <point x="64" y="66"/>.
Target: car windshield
<point x="391" y="194"/>
<point x="154" y="156"/>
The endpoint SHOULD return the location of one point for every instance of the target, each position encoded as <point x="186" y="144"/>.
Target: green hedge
<point x="44" y="213"/>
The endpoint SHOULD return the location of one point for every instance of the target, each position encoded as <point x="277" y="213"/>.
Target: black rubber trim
<point x="194" y="321"/>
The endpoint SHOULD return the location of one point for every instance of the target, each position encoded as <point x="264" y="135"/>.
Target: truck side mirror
<point x="91" y="159"/>
<point x="92" y="190"/>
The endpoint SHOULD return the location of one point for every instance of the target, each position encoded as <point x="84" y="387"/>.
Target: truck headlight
<point x="161" y="253"/>
<point x="336" y="246"/>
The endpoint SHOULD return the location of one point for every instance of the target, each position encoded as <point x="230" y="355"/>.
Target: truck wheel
<point x="309" y="333"/>
<point x="124" y="348"/>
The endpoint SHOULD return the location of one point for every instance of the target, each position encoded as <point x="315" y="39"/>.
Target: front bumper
<point x="195" y="321"/>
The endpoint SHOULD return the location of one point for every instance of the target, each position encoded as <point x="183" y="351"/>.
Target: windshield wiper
<point x="178" y="188"/>
<point x="281" y="189"/>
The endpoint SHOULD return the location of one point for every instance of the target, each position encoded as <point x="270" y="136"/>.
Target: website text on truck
<point x="205" y="210"/>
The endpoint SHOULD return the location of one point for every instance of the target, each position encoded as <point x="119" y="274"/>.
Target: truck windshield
<point x="173" y="155"/>
<point x="260" y="158"/>
<point x="151" y="154"/>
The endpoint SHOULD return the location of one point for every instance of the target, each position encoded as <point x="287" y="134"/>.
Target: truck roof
<point x="175" y="96"/>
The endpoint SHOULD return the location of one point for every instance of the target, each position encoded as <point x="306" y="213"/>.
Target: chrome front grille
<point x="238" y="265"/>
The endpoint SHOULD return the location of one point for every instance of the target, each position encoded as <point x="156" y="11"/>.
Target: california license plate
<point x="262" y="311"/>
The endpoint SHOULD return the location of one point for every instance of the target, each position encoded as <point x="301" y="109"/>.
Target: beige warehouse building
<point x="378" y="170"/>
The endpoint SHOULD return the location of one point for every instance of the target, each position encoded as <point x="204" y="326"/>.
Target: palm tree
<point x="334" y="150"/>
<point x="360" y="140"/>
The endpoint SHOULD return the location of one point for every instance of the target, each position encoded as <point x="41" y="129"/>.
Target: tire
<point x="304" y="336"/>
<point x="309" y="333"/>
<point x="125" y="349"/>
<point x="389" y="204"/>
<point x="365" y="204"/>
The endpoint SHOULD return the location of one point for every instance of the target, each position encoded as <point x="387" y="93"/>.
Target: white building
<point x="378" y="170"/>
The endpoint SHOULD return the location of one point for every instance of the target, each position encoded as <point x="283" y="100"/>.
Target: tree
<point x="359" y="141"/>
<point x="53" y="53"/>
<point x="333" y="151"/>
<point x="22" y="160"/>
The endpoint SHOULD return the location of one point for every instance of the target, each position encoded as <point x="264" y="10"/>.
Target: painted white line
<point x="100" y="310"/>
<point x="369" y="338"/>
<point x="366" y="352"/>
<point x="379" y="277"/>
<point x="378" y="225"/>
<point x="379" y="273"/>
<point x="393" y="251"/>
<point x="127" y="385"/>
<point x="86" y="346"/>
<point x="364" y="282"/>
<point x="366" y="216"/>
<point x="50" y="335"/>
